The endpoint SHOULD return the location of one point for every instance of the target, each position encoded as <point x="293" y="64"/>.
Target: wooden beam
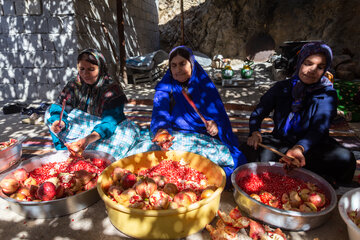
<point x="120" y="24"/>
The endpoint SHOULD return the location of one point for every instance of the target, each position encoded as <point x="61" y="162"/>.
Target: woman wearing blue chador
<point x="94" y="116"/>
<point x="176" y="125"/>
<point x="303" y="108"/>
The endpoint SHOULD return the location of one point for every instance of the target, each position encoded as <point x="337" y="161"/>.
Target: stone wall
<point x="231" y="27"/>
<point x="40" y="40"/>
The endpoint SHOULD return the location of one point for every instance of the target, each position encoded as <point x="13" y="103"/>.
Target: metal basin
<point x="290" y="220"/>
<point x="169" y="223"/>
<point x="10" y="156"/>
<point x="57" y="207"/>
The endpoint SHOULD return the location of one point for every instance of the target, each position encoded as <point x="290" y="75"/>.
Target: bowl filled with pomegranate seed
<point x="54" y="184"/>
<point x="296" y="200"/>
<point x="166" y="194"/>
<point x="349" y="208"/>
<point x="10" y="153"/>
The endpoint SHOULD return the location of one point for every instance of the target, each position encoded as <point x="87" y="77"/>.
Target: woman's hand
<point x="212" y="128"/>
<point x="297" y="155"/>
<point x="56" y="127"/>
<point x="254" y="139"/>
<point x="163" y="139"/>
<point x="77" y="148"/>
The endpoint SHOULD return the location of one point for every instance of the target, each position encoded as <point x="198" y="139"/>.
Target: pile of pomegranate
<point x="168" y="185"/>
<point x="355" y="217"/>
<point x="234" y="226"/>
<point x="53" y="180"/>
<point x="4" y="145"/>
<point x="283" y="192"/>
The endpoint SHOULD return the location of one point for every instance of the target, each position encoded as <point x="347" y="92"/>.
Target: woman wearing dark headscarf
<point x="176" y="125"/>
<point x="93" y="117"/>
<point x="304" y="107"/>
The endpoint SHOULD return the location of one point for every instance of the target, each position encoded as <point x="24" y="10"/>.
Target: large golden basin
<point x="163" y="224"/>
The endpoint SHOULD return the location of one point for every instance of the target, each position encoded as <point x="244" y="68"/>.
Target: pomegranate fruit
<point x="182" y="199"/>
<point x="115" y="188"/>
<point x="91" y="184"/>
<point x="128" y="180"/>
<point x="159" y="200"/>
<point x="20" y="174"/>
<point x="46" y="191"/>
<point x="9" y="185"/>
<point x="84" y="176"/>
<point x="191" y="194"/>
<point x="60" y="191"/>
<point x="207" y="192"/>
<point x="171" y="189"/>
<point x="18" y="196"/>
<point x="24" y="190"/>
<point x="145" y="187"/>
<point x="118" y="173"/>
<point x="30" y="181"/>
<point x="160" y="180"/>
<point x="136" y="201"/>
<point x="124" y="197"/>
<point x="318" y="199"/>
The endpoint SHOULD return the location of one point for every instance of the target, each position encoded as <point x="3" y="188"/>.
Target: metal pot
<point x="10" y="156"/>
<point x="57" y="207"/>
<point x="290" y="220"/>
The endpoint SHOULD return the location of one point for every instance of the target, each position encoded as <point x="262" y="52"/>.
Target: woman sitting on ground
<point x="304" y="107"/>
<point x="176" y="125"/>
<point x="94" y="116"/>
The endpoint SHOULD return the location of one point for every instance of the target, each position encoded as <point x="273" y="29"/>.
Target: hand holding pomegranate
<point x="163" y="139"/>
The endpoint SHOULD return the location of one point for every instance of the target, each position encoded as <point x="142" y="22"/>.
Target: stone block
<point x="49" y="59"/>
<point x="13" y="42"/>
<point x="68" y="24"/>
<point x="59" y="59"/>
<point x="16" y="59"/>
<point x="55" y="24"/>
<point x="39" y="59"/>
<point x="31" y="76"/>
<point x="35" y="24"/>
<point x="9" y="8"/>
<point x="3" y="42"/>
<point x="8" y="75"/>
<point x="28" y="7"/>
<point x="4" y="59"/>
<point x="7" y="91"/>
<point x="48" y="92"/>
<point x="30" y="42"/>
<point x="47" y="43"/>
<point x="12" y="25"/>
<point x="64" y="42"/>
<point x="65" y="7"/>
<point x="51" y="76"/>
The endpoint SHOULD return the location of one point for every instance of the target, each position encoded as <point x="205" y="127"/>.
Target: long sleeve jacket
<point x="319" y="108"/>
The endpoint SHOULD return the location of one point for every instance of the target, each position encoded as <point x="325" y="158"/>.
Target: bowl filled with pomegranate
<point x="161" y="194"/>
<point x="349" y="208"/>
<point x="297" y="200"/>
<point x="54" y="184"/>
<point x="10" y="153"/>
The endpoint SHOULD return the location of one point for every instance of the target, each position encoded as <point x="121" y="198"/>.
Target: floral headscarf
<point x="105" y="93"/>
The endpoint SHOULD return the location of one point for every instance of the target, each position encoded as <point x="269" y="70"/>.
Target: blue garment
<point x="109" y="119"/>
<point x="317" y="112"/>
<point x="183" y="118"/>
<point x="81" y="124"/>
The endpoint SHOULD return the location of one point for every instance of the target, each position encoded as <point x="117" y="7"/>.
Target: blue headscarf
<point x="207" y="99"/>
<point x="300" y="89"/>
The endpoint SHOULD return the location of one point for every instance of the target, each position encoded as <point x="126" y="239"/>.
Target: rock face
<point x="238" y="28"/>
